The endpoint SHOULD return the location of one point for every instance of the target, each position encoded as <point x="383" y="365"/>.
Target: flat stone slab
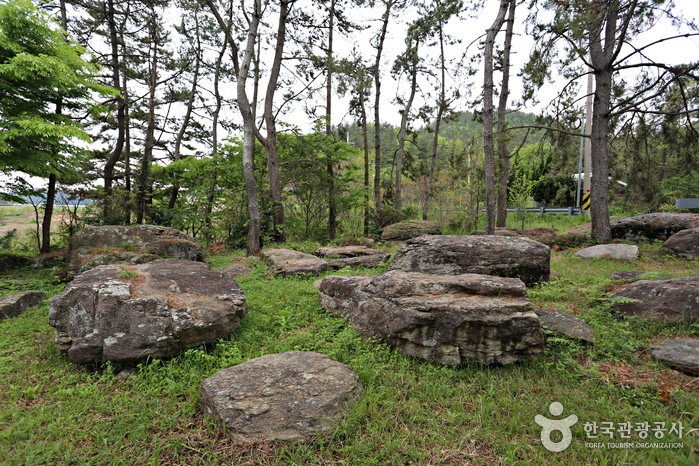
<point x="684" y="243"/>
<point x="362" y="261"/>
<point x="656" y="226"/>
<point x="402" y="231"/>
<point x="625" y="275"/>
<point x="542" y="235"/>
<point x="341" y="252"/>
<point x="621" y="252"/>
<point x="236" y="270"/>
<point x="562" y="323"/>
<point x="681" y="354"/>
<point x="631" y="275"/>
<point x="135" y="244"/>
<point x="501" y="256"/>
<point x="368" y="242"/>
<point x="291" y="262"/>
<point x="15" y="304"/>
<point x="288" y="396"/>
<point x="672" y="300"/>
<point x="451" y="319"/>
<point x="158" y="309"/>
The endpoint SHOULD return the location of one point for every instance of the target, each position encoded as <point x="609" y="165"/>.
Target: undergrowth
<point x="410" y="412"/>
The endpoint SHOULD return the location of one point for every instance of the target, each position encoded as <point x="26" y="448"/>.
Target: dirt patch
<point x="585" y="228"/>
<point x="23" y="221"/>
<point x="665" y="381"/>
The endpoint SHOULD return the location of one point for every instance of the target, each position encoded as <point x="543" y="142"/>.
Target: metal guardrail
<point x="551" y="210"/>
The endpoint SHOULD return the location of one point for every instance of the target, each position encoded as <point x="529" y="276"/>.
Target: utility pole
<point x="578" y="191"/>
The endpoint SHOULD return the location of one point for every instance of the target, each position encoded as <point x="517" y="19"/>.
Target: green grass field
<point x="411" y="411"/>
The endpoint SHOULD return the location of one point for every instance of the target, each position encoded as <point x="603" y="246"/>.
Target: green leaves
<point x="42" y="75"/>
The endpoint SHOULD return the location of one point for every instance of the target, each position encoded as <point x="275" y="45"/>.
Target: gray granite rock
<point x="625" y="275"/>
<point x="672" y="300"/>
<point x="680" y="353"/>
<point x="289" y="262"/>
<point x="656" y="226"/>
<point x="564" y="324"/>
<point x="633" y="275"/>
<point x="158" y="309"/>
<point x="451" y="319"/>
<point x="236" y="270"/>
<point x="684" y="243"/>
<point x="502" y="256"/>
<point x="15" y="304"/>
<point x="288" y="396"/>
<point x="621" y="252"/>
<point x="135" y="244"/>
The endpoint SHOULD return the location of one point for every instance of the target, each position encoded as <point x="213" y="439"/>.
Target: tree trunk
<point x="403" y="131"/>
<point x="440" y="113"/>
<point x="365" y="135"/>
<point x="603" y="51"/>
<point x="214" y="147"/>
<point x="270" y="142"/>
<point x="488" y="145"/>
<point x="144" y="181"/>
<point x="188" y="112"/>
<point x="377" y="119"/>
<point x="48" y="215"/>
<point x="242" y="69"/>
<point x="45" y="247"/>
<point x="128" y="204"/>
<point x="253" y="246"/>
<point x="108" y="211"/>
<point x="502" y="110"/>
<point x="599" y="183"/>
<point x="332" y="205"/>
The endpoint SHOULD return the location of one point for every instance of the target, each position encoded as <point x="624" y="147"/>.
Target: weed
<point x="126" y="274"/>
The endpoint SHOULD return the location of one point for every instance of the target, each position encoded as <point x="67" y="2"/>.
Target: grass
<point x="411" y="411"/>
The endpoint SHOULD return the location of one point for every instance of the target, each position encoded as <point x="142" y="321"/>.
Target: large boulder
<point x="135" y="244"/>
<point x="288" y="396"/>
<point x="289" y="262"/>
<point x="684" y="243"/>
<point x="672" y="300"/>
<point x="653" y="226"/>
<point x="15" y="304"/>
<point x="620" y="252"/>
<point x="402" y="231"/>
<point x="680" y="353"/>
<point x="502" y="256"/>
<point x="130" y="313"/>
<point x="451" y="319"/>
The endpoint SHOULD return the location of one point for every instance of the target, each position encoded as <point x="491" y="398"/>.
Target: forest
<point x="252" y="122"/>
